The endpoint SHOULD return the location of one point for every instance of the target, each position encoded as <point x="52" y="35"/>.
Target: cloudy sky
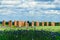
<point x="31" y="10"/>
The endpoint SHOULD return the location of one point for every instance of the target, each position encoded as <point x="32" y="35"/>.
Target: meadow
<point x="30" y="33"/>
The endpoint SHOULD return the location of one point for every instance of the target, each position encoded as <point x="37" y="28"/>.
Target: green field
<point x="30" y="33"/>
<point x="45" y="28"/>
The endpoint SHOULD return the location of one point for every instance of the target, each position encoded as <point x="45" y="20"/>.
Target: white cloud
<point x="6" y="6"/>
<point x="34" y="4"/>
<point x="28" y="8"/>
<point x="18" y="3"/>
<point x="6" y="12"/>
<point x="52" y="12"/>
<point x="46" y="5"/>
<point x="4" y="2"/>
<point x="9" y="3"/>
<point x="27" y="4"/>
<point x="57" y="1"/>
<point x="30" y="5"/>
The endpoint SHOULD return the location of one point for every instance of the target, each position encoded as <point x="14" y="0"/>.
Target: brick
<point x="42" y="23"/>
<point x="3" y="23"/>
<point x="18" y="24"/>
<point x="47" y="23"/>
<point x="26" y="24"/>
<point x="32" y="23"/>
<point x="15" y="23"/>
<point x="22" y="23"/>
<point x="37" y="23"/>
<point x="52" y="23"/>
<point x="10" y="23"/>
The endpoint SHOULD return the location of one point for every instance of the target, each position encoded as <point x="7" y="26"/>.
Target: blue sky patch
<point x="30" y="10"/>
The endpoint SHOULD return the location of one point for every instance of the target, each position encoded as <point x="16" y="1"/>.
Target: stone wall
<point x="25" y="23"/>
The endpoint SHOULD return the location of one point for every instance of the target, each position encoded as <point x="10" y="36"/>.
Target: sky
<point x="30" y="10"/>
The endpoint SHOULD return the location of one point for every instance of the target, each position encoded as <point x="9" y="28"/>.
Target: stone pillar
<point x="26" y="24"/>
<point x="42" y="23"/>
<point x="22" y="23"/>
<point x="15" y="23"/>
<point x="3" y="23"/>
<point x="10" y="23"/>
<point x="52" y="23"/>
<point x="47" y="23"/>
<point x="32" y="23"/>
<point x="18" y="24"/>
<point x="37" y="23"/>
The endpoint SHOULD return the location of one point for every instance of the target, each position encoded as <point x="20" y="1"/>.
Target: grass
<point x="46" y="28"/>
<point x="49" y="28"/>
<point x="30" y="33"/>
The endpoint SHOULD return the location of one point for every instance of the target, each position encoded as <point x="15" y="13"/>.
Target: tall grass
<point x="30" y="33"/>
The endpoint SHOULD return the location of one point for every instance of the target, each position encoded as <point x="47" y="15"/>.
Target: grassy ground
<point x="45" y="28"/>
<point x="30" y="33"/>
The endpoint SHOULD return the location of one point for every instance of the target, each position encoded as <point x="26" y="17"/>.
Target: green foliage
<point x="30" y="33"/>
